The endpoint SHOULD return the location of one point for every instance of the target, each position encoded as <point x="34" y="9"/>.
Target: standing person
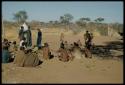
<point x="86" y="36"/>
<point x="62" y="37"/>
<point x="39" y="39"/>
<point x="88" y="41"/>
<point x="29" y="37"/>
<point x="21" y="33"/>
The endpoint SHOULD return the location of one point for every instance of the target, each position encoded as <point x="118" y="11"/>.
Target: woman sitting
<point x="26" y="58"/>
<point x="5" y="51"/>
<point x="65" y="54"/>
<point x="46" y="51"/>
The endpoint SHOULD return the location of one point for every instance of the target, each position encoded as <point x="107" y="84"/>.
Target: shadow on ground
<point x="113" y="49"/>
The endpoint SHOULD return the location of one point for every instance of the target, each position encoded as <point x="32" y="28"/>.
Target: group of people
<point x="26" y="37"/>
<point x="23" y="54"/>
<point x="27" y="55"/>
<point x="67" y="51"/>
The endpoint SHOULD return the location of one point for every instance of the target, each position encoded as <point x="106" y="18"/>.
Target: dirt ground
<point x="84" y="70"/>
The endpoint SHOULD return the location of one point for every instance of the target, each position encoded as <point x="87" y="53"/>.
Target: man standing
<point x="39" y="39"/>
<point x="88" y="40"/>
<point x="29" y="37"/>
<point x="21" y="33"/>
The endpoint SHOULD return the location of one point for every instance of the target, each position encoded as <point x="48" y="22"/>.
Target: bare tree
<point x="20" y="16"/>
<point x="66" y="19"/>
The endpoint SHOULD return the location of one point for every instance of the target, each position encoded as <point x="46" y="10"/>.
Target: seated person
<point x="15" y="46"/>
<point x="66" y="45"/>
<point x="63" y="55"/>
<point x="26" y="58"/>
<point x="70" y="47"/>
<point x="13" y="49"/>
<point x="79" y="43"/>
<point x="5" y="51"/>
<point x="46" y="51"/>
<point x="35" y="48"/>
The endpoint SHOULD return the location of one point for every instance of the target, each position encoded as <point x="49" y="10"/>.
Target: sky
<point x="111" y="11"/>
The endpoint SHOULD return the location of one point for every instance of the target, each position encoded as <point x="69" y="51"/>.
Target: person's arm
<point x="20" y="31"/>
<point x="41" y="35"/>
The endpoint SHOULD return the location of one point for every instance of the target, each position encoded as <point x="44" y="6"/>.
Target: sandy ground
<point x="84" y="70"/>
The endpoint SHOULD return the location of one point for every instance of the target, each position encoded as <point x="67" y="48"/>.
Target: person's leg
<point x="30" y="42"/>
<point x="39" y="43"/>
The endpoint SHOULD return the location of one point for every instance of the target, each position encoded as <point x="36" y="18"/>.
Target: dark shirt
<point x="39" y="34"/>
<point x="20" y="32"/>
<point x="62" y="45"/>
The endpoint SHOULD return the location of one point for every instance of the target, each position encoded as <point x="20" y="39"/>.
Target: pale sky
<point x="112" y="11"/>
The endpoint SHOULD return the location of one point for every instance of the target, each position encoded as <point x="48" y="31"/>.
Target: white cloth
<point x="21" y="42"/>
<point x="25" y="27"/>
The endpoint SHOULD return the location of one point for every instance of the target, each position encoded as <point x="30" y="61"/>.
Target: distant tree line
<point x="65" y="21"/>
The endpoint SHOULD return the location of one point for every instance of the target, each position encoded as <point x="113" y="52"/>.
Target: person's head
<point x="14" y="42"/>
<point x="34" y="46"/>
<point x="24" y="38"/>
<point x="22" y="48"/>
<point x="66" y="42"/>
<point x="87" y="31"/>
<point x="46" y="44"/>
<point x="22" y="27"/>
<point x="5" y="40"/>
<point x="28" y="51"/>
